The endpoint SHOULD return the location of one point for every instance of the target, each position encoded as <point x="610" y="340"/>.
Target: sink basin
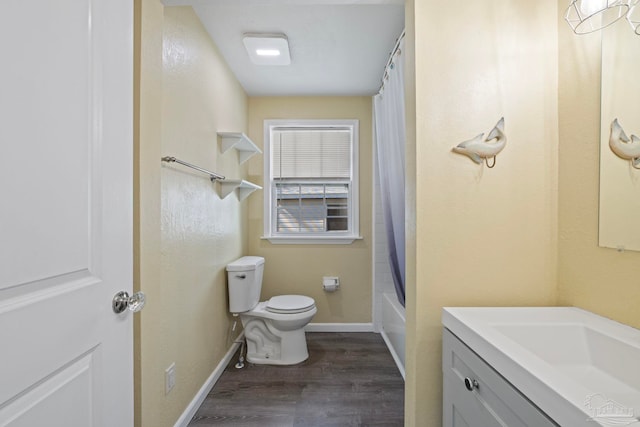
<point x="598" y="361"/>
<point x="579" y="368"/>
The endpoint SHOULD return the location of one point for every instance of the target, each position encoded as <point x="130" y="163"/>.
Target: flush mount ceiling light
<point x="587" y="16"/>
<point x="267" y="49"/>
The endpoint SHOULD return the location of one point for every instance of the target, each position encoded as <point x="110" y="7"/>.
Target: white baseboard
<point x="191" y="410"/>
<point x="339" y="327"/>
<point x="392" y="350"/>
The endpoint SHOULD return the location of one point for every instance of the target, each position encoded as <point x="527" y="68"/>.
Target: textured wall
<point x="482" y="236"/>
<point x="597" y="279"/>
<point x="187" y="320"/>
<point x="412" y="360"/>
<point x="299" y="268"/>
<point x="148" y="336"/>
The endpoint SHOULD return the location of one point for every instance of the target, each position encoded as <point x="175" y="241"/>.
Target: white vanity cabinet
<point x="476" y="395"/>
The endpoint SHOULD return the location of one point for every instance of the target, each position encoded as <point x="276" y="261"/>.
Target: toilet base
<point x="269" y="346"/>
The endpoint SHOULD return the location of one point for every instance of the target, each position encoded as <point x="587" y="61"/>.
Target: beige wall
<point x="187" y="230"/>
<point x="291" y="269"/>
<point x="597" y="279"/>
<point x="483" y="237"/>
<point x="413" y="389"/>
<point x="147" y="151"/>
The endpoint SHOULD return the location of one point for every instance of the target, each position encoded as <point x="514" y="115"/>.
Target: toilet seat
<point x="290" y="304"/>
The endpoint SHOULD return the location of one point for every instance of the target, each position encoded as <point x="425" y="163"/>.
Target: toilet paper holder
<point x="330" y="283"/>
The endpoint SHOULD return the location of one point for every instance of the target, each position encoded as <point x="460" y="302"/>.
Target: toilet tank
<point x="244" y="281"/>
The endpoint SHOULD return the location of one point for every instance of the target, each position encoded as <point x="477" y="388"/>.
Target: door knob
<point x="122" y="301"/>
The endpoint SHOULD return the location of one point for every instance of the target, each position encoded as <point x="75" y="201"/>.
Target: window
<point x="311" y="189"/>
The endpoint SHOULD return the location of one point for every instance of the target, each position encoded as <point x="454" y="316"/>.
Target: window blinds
<point x="311" y="153"/>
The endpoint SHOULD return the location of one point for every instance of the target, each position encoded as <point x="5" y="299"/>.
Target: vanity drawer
<point x="492" y="401"/>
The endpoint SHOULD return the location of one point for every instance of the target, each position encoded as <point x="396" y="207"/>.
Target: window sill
<point x="308" y="240"/>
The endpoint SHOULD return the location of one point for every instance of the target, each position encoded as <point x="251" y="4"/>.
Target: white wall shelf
<point x="244" y="188"/>
<point x="241" y="142"/>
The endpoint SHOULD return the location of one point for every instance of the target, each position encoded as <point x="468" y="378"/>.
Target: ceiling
<point x="338" y="47"/>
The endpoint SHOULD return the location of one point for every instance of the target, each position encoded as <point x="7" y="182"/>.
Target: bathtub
<point x="393" y="328"/>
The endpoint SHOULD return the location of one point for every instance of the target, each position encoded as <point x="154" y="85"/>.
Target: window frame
<point x="269" y="216"/>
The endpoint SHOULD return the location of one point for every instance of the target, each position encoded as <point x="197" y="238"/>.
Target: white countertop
<point x="577" y="367"/>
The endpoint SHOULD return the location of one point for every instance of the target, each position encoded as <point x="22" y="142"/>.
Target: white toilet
<point x="274" y="329"/>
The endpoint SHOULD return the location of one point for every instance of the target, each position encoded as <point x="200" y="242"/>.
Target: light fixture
<point x="591" y="7"/>
<point x="587" y="16"/>
<point x="624" y="147"/>
<point x="480" y="149"/>
<point x="632" y="19"/>
<point x="267" y="49"/>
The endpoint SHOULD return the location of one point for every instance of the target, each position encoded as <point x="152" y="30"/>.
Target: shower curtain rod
<point x="212" y="175"/>
<point x="395" y="49"/>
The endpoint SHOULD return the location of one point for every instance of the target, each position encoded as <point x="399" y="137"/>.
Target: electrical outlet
<point x="169" y="378"/>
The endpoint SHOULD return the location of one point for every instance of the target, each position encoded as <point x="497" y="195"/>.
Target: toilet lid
<point x="290" y="304"/>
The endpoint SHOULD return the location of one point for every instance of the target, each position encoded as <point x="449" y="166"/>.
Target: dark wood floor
<point x="350" y="379"/>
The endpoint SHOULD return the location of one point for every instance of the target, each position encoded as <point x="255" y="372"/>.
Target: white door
<point x="65" y="212"/>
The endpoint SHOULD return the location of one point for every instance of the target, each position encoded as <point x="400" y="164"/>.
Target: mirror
<point x="619" y="225"/>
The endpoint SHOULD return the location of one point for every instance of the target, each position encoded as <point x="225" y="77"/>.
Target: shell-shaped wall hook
<point x="479" y="148"/>
<point x="623" y="146"/>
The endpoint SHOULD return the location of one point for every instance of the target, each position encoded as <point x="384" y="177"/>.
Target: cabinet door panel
<point x="495" y="402"/>
<point x="462" y="408"/>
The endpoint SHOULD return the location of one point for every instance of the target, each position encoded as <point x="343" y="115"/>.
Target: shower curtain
<point x="389" y="120"/>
